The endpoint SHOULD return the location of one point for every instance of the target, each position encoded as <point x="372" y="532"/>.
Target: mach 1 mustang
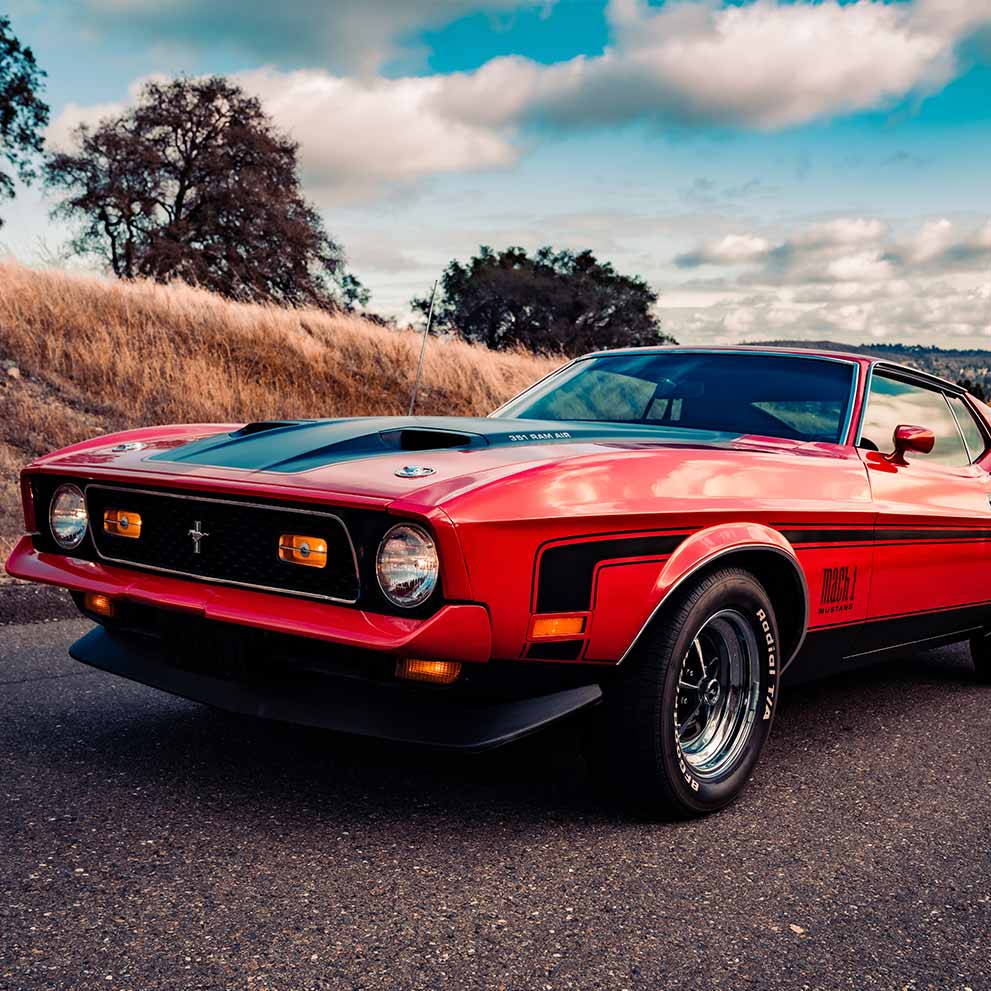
<point x="660" y="533"/>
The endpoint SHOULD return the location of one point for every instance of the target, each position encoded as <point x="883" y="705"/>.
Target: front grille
<point x="239" y="543"/>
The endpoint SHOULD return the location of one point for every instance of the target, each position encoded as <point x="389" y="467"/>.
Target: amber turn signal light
<point x="97" y="602"/>
<point x="122" y="523"/>
<point x="310" y="552"/>
<point x="437" y="672"/>
<point x="557" y="626"/>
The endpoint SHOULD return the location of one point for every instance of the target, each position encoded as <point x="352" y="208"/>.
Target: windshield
<point x="773" y="395"/>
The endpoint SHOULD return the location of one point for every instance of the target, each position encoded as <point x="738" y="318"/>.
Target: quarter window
<point x="972" y="433"/>
<point x="893" y="402"/>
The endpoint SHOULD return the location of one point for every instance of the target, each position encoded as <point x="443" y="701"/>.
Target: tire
<point x="671" y="751"/>
<point x="980" y="654"/>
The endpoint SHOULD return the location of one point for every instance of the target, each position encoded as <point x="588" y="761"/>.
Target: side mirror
<point x="908" y="438"/>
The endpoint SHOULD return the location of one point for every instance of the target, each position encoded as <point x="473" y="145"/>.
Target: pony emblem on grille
<point x="197" y="534"/>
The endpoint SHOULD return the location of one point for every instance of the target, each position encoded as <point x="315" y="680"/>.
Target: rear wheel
<point x="688" y="717"/>
<point x="980" y="653"/>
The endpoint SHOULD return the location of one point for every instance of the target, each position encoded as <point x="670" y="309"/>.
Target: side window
<point x="972" y="433"/>
<point x="892" y="402"/>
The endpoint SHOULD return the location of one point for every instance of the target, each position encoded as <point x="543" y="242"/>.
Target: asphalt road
<point x="146" y="842"/>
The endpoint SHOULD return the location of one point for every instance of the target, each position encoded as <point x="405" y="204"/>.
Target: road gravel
<point x="148" y="842"/>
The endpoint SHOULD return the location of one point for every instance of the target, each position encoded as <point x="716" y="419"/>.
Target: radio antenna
<point x="423" y="348"/>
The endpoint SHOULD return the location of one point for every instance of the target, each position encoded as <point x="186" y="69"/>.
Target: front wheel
<point x="691" y="710"/>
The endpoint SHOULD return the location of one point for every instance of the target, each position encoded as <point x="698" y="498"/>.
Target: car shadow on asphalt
<point x="158" y="744"/>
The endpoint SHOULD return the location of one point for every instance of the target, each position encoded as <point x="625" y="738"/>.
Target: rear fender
<point x="753" y="546"/>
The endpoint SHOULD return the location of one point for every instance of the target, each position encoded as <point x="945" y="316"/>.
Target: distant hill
<point x="970" y="368"/>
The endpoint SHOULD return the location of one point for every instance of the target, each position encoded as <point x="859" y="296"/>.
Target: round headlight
<point x="67" y="516"/>
<point x="407" y="566"/>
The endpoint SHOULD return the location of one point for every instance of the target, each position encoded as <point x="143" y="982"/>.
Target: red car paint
<point x="857" y="541"/>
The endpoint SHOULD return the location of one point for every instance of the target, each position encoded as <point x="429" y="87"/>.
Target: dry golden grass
<point x="97" y="356"/>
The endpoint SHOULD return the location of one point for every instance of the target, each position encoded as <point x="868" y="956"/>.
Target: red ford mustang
<point x="658" y="532"/>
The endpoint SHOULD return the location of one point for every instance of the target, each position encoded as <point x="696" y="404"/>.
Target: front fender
<point x="759" y="548"/>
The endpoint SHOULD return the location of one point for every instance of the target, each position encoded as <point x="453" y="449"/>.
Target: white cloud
<point x="933" y="239"/>
<point x="356" y="136"/>
<point x="347" y="35"/>
<point x="865" y="266"/>
<point x="847" y="279"/>
<point x="840" y="231"/>
<point x="732" y="249"/>
<point x="764" y="65"/>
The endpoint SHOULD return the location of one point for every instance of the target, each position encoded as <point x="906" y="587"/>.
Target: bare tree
<point x="194" y="182"/>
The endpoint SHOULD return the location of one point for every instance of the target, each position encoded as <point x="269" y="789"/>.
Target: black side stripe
<point x="565" y="580"/>
<point x="828" y="536"/>
<point x="886" y="535"/>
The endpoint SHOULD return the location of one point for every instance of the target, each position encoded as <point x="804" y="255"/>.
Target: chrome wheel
<point x="718" y="693"/>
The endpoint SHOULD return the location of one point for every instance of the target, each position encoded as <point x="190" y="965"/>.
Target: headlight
<point x="67" y="516"/>
<point x="407" y="566"/>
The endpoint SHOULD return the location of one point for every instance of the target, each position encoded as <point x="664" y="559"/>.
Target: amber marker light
<point x="122" y="523"/>
<point x="310" y="552"/>
<point x="97" y="602"/>
<point x="556" y="626"/>
<point x="436" y="672"/>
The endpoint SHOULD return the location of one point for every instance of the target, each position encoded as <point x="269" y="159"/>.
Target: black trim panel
<point x="558" y="650"/>
<point x="835" y="648"/>
<point x="565" y="571"/>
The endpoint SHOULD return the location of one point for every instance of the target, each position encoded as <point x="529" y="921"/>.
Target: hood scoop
<point x="419" y="439"/>
<point x="262" y="425"/>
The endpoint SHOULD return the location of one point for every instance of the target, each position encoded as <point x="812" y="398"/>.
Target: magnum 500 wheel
<point x="688" y="717"/>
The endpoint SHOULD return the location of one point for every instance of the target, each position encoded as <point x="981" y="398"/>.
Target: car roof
<point x="864" y="360"/>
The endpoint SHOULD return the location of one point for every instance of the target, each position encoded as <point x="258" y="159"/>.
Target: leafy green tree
<point x="551" y="301"/>
<point x="23" y="114"/>
<point x="194" y="182"/>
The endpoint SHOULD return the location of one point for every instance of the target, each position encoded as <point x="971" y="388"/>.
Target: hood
<point x="363" y="461"/>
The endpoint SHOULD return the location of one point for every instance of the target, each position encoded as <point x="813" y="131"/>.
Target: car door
<point x="933" y="527"/>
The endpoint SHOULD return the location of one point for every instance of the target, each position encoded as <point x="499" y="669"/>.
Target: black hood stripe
<point x="302" y="445"/>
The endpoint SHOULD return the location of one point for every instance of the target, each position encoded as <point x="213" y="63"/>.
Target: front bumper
<point x="390" y="711"/>
<point x="456" y="632"/>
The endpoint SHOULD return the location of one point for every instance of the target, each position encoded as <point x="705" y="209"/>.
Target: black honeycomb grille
<point x="240" y="545"/>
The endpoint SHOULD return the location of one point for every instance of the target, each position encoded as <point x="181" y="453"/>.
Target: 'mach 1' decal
<point x="839" y="587"/>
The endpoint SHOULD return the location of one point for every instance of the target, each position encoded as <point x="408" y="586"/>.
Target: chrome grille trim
<point x="225" y="502"/>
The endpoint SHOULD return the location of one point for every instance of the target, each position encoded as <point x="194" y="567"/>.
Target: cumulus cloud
<point x="849" y="279"/>
<point x="357" y="136"/>
<point x="764" y="65"/>
<point x="348" y="35"/>
<point x="729" y="250"/>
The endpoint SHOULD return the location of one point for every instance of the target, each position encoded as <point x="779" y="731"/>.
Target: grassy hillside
<point x="93" y="356"/>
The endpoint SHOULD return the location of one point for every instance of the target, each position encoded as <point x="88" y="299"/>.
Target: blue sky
<point x="772" y="169"/>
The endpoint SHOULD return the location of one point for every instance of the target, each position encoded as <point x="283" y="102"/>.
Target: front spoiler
<point x="402" y="713"/>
